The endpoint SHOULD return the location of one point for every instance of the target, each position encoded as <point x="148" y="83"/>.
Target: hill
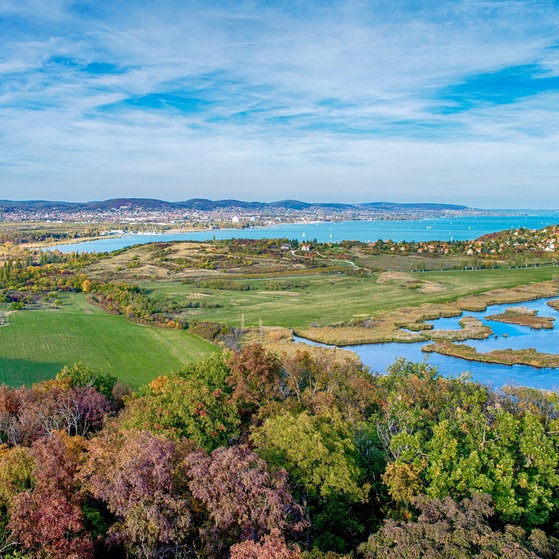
<point x="203" y="204"/>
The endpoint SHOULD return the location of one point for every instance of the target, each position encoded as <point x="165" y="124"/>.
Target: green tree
<point x="319" y="453"/>
<point x="179" y="407"/>
<point x="80" y="375"/>
<point x="324" y="465"/>
<point x="452" y="437"/>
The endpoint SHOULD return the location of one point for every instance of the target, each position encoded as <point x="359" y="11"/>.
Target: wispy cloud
<point x="450" y="100"/>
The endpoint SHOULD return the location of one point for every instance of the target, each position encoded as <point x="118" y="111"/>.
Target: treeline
<point x="520" y="242"/>
<point x="255" y="455"/>
<point x="38" y="274"/>
<point x="22" y="236"/>
<point x="131" y="301"/>
<point x="39" y="271"/>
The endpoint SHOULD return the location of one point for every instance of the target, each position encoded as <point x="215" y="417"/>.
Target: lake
<point x="379" y="356"/>
<point x="443" y="229"/>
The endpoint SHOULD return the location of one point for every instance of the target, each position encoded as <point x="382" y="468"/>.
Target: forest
<point x="252" y="453"/>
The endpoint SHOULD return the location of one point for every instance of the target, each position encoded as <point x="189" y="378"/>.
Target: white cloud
<point x="330" y="101"/>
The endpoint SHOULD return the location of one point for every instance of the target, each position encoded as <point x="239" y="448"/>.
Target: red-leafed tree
<point x="27" y="414"/>
<point x="243" y="499"/>
<point x="47" y="521"/>
<point x="255" y="377"/>
<point x="142" y="480"/>
<point x="272" y="546"/>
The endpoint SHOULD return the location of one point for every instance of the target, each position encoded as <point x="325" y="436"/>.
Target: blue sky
<point x="450" y="101"/>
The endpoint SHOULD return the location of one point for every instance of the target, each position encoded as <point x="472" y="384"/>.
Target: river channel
<point x="380" y="356"/>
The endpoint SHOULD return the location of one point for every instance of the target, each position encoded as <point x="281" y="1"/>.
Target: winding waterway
<point x="378" y="357"/>
<point x="443" y="229"/>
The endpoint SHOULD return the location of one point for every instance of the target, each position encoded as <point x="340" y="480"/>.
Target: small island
<point x="524" y="317"/>
<point x="528" y="356"/>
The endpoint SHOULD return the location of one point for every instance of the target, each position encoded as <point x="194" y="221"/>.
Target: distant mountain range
<point x="202" y="204"/>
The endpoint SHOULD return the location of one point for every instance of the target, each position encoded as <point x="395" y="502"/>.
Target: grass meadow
<point x="35" y="344"/>
<point x="326" y="299"/>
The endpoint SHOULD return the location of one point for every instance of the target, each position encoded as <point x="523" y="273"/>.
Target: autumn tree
<point x="272" y="546"/>
<point x="449" y="530"/>
<point x="326" y="378"/>
<point x="51" y="408"/>
<point x="16" y="469"/>
<point x="47" y="521"/>
<point x="255" y="377"/>
<point x="243" y="499"/>
<point x="141" y="478"/>
<point x="27" y="414"/>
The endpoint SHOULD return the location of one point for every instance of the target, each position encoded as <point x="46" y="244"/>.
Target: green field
<point x="36" y="344"/>
<point x="326" y="299"/>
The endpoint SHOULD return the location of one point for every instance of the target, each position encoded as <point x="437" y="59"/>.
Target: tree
<point x="47" y="520"/>
<point x="318" y="452"/>
<point x="326" y="378"/>
<point x="142" y="479"/>
<point x="243" y="499"/>
<point x="449" y="530"/>
<point x="177" y="406"/>
<point x="324" y="465"/>
<point x="16" y="468"/>
<point x="511" y="458"/>
<point x="51" y="408"/>
<point x="272" y="546"/>
<point x="79" y="375"/>
<point x="27" y="414"/>
<point x="255" y="377"/>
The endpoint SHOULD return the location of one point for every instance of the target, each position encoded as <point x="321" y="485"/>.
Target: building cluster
<point x="238" y="216"/>
<point x="519" y="240"/>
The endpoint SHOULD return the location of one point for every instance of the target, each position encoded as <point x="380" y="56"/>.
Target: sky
<point x="452" y="101"/>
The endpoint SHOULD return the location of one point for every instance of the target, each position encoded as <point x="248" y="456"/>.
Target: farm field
<point x="329" y="298"/>
<point x="36" y="344"/>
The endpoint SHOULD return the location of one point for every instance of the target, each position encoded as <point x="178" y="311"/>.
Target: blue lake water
<point x="378" y="357"/>
<point x="444" y="229"/>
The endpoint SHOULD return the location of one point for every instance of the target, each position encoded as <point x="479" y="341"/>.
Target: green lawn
<point x="36" y="344"/>
<point x="331" y="298"/>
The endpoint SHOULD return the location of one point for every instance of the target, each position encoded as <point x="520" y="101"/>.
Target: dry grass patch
<point x="280" y="340"/>
<point x="502" y="356"/>
<point x="408" y="324"/>
<point x="380" y="332"/>
<point x="529" y="292"/>
<point x="471" y="329"/>
<point x="394" y="277"/>
<point x="524" y="317"/>
<point x="287" y="293"/>
<point x="410" y="281"/>
<point x="269" y="336"/>
<point x="431" y="287"/>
